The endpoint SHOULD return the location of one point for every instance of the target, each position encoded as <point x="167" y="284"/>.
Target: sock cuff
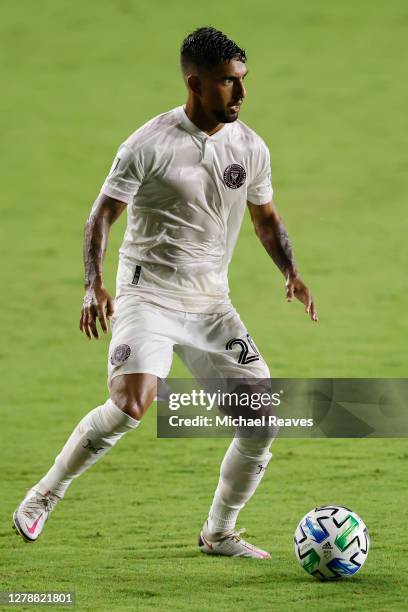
<point x="117" y="417"/>
<point x="253" y="447"/>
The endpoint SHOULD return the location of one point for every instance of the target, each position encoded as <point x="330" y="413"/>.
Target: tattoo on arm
<point x="275" y="240"/>
<point x="95" y="243"/>
<point x="286" y="260"/>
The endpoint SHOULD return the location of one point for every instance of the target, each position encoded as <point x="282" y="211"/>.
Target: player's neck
<point x="197" y="115"/>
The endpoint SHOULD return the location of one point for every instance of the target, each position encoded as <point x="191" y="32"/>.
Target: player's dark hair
<point x="208" y="47"/>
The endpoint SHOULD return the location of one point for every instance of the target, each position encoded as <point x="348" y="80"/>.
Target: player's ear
<point x="194" y="83"/>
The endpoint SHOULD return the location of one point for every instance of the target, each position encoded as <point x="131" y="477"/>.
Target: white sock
<point x="242" y="469"/>
<point x="98" y="431"/>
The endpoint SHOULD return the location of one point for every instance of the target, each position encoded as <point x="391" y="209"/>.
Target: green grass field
<point x="326" y="90"/>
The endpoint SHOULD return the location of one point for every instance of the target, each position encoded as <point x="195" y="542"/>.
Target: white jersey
<point x="186" y="194"/>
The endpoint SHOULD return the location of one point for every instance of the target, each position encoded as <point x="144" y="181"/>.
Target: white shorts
<point x="144" y="337"/>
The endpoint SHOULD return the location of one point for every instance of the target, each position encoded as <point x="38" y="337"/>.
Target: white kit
<point x="186" y="194"/>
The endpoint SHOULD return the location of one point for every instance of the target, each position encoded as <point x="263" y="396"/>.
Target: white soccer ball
<point x="331" y="542"/>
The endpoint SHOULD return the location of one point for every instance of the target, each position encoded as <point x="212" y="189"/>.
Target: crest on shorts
<point x="234" y="176"/>
<point x="120" y="354"/>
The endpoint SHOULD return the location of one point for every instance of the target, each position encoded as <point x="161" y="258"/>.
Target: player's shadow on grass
<point x="362" y="580"/>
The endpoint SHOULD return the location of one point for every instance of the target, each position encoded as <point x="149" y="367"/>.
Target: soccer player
<point x="185" y="178"/>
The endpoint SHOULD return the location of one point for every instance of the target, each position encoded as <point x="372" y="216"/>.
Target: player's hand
<point x="97" y="304"/>
<point x="295" y="287"/>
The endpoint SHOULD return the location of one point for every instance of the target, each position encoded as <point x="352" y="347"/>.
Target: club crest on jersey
<point x="234" y="176"/>
<point x="120" y="354"/>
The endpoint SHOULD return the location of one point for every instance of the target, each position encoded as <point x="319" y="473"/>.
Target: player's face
<point x="223" y="91"/>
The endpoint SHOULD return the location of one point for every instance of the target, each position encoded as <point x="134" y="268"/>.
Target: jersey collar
<point x="190" y="127"/>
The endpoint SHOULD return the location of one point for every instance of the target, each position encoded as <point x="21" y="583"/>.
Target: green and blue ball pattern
<point x="331" y="542"/>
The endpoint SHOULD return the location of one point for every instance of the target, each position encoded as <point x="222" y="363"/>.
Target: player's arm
<point x="97" y="304"/>
<point x="273" y="235"/>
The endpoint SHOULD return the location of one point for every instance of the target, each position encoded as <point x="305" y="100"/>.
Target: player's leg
<point x="136" y="359"/>
<point x="100" y="429"/>
<point x="241" y="472"/>
<point x="230" y="353"/>
<point x="96" y="433"/>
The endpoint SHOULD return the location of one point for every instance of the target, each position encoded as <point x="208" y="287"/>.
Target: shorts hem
<point x="137" y="371"/>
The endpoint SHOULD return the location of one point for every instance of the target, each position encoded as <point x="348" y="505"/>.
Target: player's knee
<point x="133" y="397"/>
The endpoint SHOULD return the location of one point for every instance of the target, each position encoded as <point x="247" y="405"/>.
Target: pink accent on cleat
<point x="32" y="514"/>
<point x="34" y="525"/>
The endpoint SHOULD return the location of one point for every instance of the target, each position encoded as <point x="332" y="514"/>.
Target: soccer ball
<point x="331" y="542"/>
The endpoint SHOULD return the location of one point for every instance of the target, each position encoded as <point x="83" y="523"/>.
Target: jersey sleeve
<point x="125" y="176"/>
<point x="260" y="189"/>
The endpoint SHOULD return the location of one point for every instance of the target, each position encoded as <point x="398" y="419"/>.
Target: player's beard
<point x="224" y="117"/>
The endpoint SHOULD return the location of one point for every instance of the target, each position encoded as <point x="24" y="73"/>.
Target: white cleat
<point x="32" y="514"/>
<point x="230" y="545"/>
